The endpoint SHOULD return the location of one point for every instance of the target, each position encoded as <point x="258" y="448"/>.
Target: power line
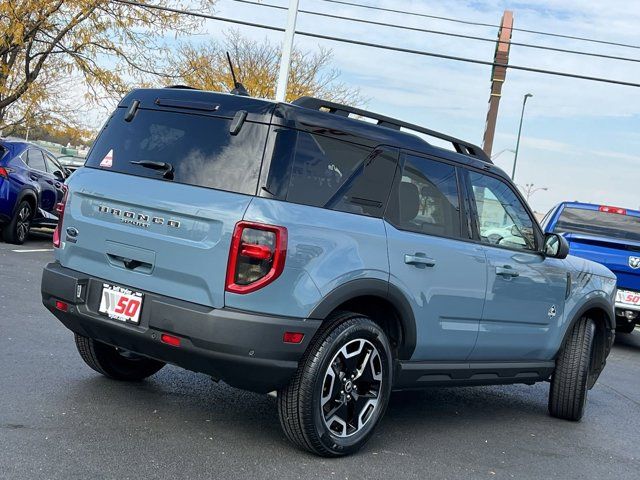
<point x="199" y="14"/>
<point x="469" y="22"/>
<point x="449" y="34"/>
<point x="385" y="47"/>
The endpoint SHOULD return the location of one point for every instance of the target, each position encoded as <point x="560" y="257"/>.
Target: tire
<point x="626" y="328"/>
<point x="312" y="407"/>
<point x="112" y="363"/>
<point x="17" y="230"/>
<point x="570" y="382"/>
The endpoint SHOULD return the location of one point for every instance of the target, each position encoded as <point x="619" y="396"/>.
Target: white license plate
<point x="628" y="298"/>
<point x="121" y="303"/>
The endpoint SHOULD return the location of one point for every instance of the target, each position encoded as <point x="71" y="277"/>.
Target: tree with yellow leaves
<point x="256" y="64"/>
<point x="104" y="42"/>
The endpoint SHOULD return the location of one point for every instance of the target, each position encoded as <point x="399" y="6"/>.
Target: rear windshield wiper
<point x="166" y="166"/>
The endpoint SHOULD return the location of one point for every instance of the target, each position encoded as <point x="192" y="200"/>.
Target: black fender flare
<point x="376" y="288"/>
<point x="599" y="303"/>
<point x="27" y="192"/>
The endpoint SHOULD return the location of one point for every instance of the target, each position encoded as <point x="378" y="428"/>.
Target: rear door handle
<point x="419" y="260"/>
<point x="507" y="271"/>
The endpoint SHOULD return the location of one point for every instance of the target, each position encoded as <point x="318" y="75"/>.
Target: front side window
<point x="426" y="198"/>
<point x="502" y="218"/>
<point x="52" y="166"/>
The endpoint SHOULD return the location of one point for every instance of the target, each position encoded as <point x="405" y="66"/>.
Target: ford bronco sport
<point x="318" y="251"/>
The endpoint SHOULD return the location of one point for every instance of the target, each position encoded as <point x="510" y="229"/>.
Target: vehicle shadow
<point x="176" y="403"/>
<point x="628" y="341"/>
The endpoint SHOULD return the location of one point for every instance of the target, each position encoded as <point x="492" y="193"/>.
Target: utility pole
<point x="287" y="47"/>
<point x="498" y="76"/>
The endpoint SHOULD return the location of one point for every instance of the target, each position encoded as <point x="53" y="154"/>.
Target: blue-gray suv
<point x="318" y="252"/>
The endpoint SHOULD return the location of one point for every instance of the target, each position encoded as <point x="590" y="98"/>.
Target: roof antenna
<point x="238" y="88"/>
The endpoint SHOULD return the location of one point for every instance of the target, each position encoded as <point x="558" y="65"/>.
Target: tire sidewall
<point x="11" y="230"/>
<point x="367" y="330"/>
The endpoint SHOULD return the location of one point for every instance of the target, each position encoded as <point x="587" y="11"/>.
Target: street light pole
<point x="515" y="157"/>
<point x="529" y="190"/>
<point x="287" y="47"/>
<point x="496" y="155"/>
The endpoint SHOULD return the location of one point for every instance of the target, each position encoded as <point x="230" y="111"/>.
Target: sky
<point x="580" y="139"/>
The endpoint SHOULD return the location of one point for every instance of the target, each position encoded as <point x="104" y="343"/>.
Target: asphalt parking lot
<point x="61" y="420"/>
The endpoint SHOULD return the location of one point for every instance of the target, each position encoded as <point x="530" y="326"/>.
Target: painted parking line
<point x="33" y="250"/>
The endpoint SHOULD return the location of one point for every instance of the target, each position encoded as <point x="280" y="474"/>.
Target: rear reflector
<point x="4" y="173"/>
<point x="62" y="306"/>
<point x="292" y="337"/>
<point x="607" y="209"/>
<point x="170" y="340"/>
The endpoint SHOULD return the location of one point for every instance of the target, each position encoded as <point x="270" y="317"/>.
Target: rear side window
<point x="200" y="149"/>
<point x="596" y="222"/>
<point x="425" y="200"/>
<point x="324" y="172"/>
<point x="35" y="160"/>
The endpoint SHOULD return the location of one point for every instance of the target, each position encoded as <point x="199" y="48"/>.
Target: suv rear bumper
<point x="246" y="350"/>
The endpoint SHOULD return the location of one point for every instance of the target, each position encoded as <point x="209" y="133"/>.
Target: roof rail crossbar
<point x="460" y="146"/>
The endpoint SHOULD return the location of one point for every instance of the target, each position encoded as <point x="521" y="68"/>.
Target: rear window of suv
<point x="602" y="224"/>
<point x="200" y="149"/>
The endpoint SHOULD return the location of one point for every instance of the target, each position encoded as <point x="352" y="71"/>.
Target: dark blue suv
<point x="31" y="185"/>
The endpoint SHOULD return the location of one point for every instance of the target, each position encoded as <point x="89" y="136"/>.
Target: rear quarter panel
<point x="10" y="188"/>
<point x="325" y="250"/>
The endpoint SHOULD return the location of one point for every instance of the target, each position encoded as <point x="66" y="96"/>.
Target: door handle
<point x="507" y="271"/>
<point x="419" y="260"/>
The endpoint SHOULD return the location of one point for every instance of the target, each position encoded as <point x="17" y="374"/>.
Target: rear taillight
<point x="256" y="257"/>
<point x="4" y="173"/>
<point x="607" y="209"/>
<point x="60" y="211"/>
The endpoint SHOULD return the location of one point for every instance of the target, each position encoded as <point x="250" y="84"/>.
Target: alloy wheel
<point x="351" y="388"/>
<point x="23" y="223"/>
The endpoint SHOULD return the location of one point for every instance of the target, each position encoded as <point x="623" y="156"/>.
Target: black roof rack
<point x="460" y="146"/>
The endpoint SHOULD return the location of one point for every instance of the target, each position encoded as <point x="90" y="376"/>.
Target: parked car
<point x="293" y="249"/>
<point x="610" y="236"/>
<point x="31" y="185"/>
<point x="71" y="162"/>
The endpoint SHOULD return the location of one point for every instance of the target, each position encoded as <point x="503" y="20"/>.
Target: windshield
<point x="602" y="224"/>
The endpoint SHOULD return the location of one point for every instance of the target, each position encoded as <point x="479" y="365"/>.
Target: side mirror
<point x="555" y="246"/>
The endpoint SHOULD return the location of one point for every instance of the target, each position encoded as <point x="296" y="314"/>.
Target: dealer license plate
<point x="628" y="298"/>
<point x="120" y="303"/>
